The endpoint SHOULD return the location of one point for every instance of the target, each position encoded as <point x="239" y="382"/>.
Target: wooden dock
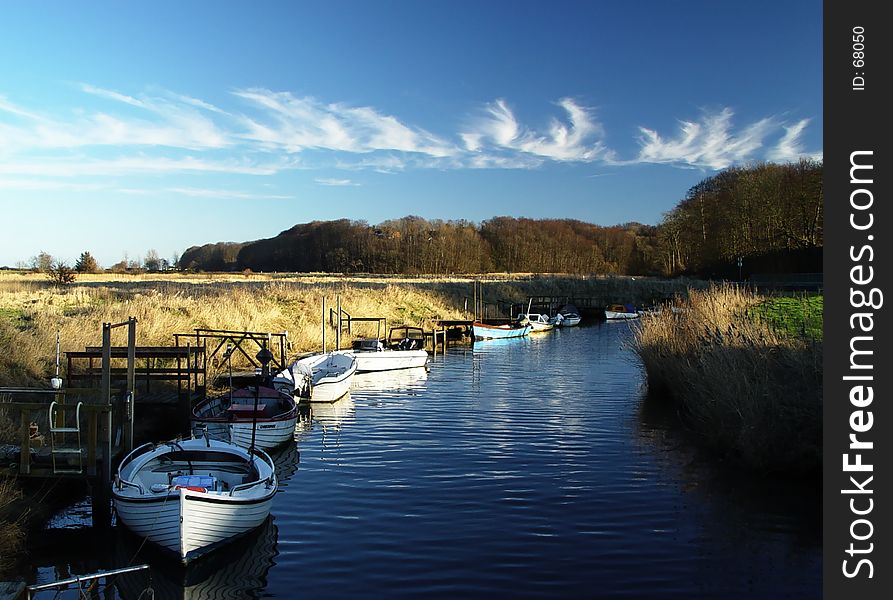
<point x="81" y="430"/>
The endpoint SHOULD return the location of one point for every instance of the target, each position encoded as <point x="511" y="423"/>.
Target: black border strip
<point x="857" y="499"/>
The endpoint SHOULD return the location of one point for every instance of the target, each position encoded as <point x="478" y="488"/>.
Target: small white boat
<point x="321" y="377"/>
<point x="484" y="331"/>
<point x="617" y="312"/>
<point x="537" y="321"/>
<point x="190" y="496"/>
<point x="231" y="417"/>
<point x="404" y="349"/>
<point x="569" y="314"/>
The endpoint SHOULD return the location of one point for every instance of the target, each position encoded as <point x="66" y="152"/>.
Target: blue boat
<point x="482" y="331"/>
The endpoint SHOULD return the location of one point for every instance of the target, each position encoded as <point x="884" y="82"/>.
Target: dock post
<point x="338" y="328"/>
<point x="130" y="396"/>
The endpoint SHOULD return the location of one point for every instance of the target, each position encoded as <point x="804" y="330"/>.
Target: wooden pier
<point x="83" y="429"/>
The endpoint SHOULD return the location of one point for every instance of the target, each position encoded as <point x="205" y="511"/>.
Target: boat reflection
<point x="331" y="415"/>
<point x="390" y="380"/>
<point x="498" y="345"/>
<point x="286" y="458"/>
<point x="236" y="571"/>
<point x="305" y="421"/>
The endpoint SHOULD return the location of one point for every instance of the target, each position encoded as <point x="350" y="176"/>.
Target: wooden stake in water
<point x="338" y="323"/>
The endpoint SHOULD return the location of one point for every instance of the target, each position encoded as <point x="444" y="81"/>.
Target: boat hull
<point x="231" y="418"/>
<point x="268" y="435"/>
<point x="191" y="520"/>
<point x="331" y="376"/>
<point x="620" y="316"/>
<point x="482" y="331"/>
<point x="389" y="360"/>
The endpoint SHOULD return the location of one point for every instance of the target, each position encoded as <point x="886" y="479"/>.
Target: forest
<point x="769" y="215"/>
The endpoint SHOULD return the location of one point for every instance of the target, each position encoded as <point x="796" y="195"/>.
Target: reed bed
<point x="749" y="391"/>
<point x="11" y="534"/>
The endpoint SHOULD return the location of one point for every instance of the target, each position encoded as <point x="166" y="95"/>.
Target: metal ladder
<point x="63" y="449"/>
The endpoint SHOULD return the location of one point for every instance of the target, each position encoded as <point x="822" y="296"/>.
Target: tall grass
<point x="32" y="310"/>
<point x="33" y="316"/>
<point x="11" y="534"/>
<point x="746" y="389"/>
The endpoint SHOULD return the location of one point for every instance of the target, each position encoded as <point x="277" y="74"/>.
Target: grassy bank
<point x="746" y="387"/>
<point x="32" y="310"/>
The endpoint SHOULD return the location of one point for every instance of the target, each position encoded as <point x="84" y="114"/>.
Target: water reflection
<point x="286" y="458"/>
<point x="497" y="344"/>
<point x="332" y="415"/>
<point x="237" y="570"/>
<point x="382" y="381"/>
<point x="767" y="520"/>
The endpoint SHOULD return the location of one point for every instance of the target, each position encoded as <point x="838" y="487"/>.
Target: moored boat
<point x="570" y="316"/>
<point x="231" y="417"/>
<point x="404" y="349"/>
<point x="615" y="312"/>
<point x="191" y="496"/>
<point x="483" y="331"/>
<point x="321" y="377"/>
<point x="537" y="321"/>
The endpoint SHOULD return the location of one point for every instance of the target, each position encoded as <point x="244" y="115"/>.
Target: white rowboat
<point x="231" y="417"/>
<point x="190" y="496"/>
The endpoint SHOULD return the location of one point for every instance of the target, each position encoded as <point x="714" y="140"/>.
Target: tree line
<point x="413" y="245"/>
<point x="768" y="215"/>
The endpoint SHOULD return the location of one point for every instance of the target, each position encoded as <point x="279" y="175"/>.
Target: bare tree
<point x="42" y="262"/>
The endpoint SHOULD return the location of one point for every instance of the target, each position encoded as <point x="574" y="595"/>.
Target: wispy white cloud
<point x="135" y="165"/>
<point x="112" y="95"/>
<point x="162" y="133"/>
<point x="30" y="185"/>
<point x="164" y="123"/>
<point x="335" y="182"/>
<point x="713" y="143"/>
<point x="790" y="147"/>
<point x="293" y="124"/>
<point x="222" y="194"/>
<point x="578" y="139"/>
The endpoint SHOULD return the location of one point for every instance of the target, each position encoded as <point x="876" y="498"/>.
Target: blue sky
<point x="129" y="126"/>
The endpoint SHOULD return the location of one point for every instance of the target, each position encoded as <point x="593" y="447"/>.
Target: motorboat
<point x="537" y="321"/>
<point x="569" y="314"/>
<point x="615" y="312"/>
<point x="404" y="349"/>
<point x="322" y="377"/>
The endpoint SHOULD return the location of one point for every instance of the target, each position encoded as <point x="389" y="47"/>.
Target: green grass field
<point x="799" y="316"/>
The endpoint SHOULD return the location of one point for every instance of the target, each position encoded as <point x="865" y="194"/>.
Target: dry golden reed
<point x="749" y="392"/>
<point x="34" y="314"/>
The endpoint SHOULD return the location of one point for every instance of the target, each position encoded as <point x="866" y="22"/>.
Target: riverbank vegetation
<point x="745" y="386"/>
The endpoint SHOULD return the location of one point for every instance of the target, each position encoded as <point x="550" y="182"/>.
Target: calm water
<point x="528" y="467"/>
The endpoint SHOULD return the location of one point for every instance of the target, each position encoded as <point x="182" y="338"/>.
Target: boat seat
<point x="207" y="482"/>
